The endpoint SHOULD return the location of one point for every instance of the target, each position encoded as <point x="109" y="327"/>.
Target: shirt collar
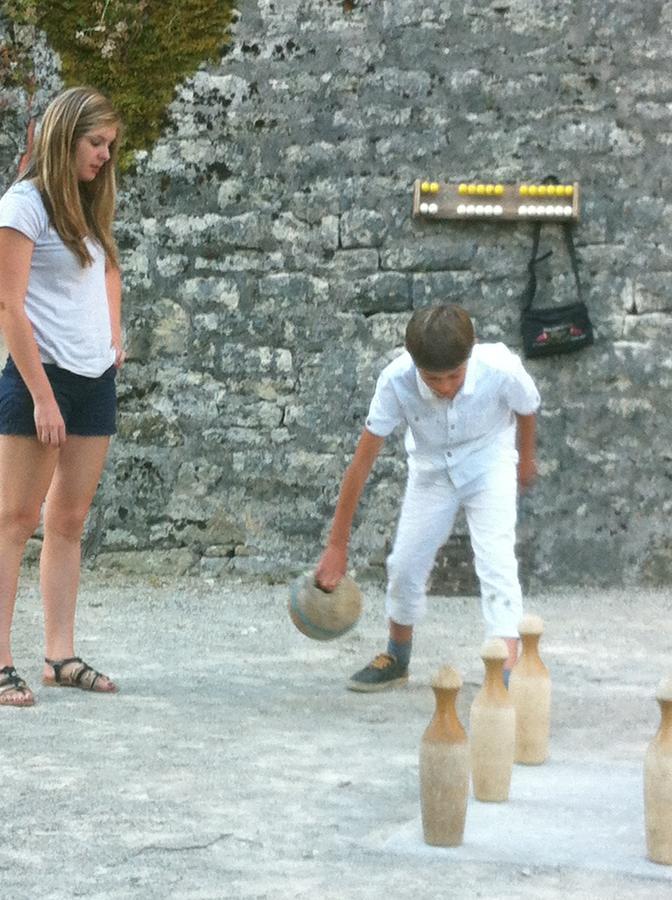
<point x="470" y="378"/>
<point x="468" y="385"/>
<point x="425" y="392"/>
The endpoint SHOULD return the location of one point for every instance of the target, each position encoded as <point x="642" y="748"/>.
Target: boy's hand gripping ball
<point x="323" y="615"/>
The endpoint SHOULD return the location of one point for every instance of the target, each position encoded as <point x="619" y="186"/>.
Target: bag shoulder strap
<point x="531" y="288"/>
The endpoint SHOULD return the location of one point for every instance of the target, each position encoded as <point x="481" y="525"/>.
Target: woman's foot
<point x="13" y="690"/>
<point x="74" y="672"/>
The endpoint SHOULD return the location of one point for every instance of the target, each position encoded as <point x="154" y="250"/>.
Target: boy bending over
<point x="469" y="410"/>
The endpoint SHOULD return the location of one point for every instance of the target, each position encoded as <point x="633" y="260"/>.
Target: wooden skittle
<point x="658" y="782"/>
<point x="530" y="691"/>
<point x="492" y="731"/>
<point x="444" y="766"/>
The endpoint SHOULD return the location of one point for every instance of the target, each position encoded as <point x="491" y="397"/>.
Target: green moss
<point x="135" y="51"/>
<point x="16" y="61"/>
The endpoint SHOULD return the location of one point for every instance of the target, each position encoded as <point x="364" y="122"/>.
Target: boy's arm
<point x="527" y="465"/>
<point x="334" y="561"/>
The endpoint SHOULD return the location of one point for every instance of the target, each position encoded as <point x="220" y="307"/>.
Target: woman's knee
<point x="19" y="524"/>
<point x="66" y="523"/>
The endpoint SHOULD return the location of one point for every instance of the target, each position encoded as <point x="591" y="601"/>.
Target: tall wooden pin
<point x="444" y="766"/>
<point x="658" y="782"/>
<point x="492" y="728"/>
<point x="530" y="691"/>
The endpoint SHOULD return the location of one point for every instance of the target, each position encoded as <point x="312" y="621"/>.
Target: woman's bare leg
<point x="26" y="470"/>
<point x="69" y="499"/>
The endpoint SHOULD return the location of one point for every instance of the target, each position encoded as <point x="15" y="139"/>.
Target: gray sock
<point x="401" y="652"/>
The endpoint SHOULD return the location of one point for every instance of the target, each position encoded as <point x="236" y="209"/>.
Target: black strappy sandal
<point x="82" y="675"/>
<point x="10" y="681"/>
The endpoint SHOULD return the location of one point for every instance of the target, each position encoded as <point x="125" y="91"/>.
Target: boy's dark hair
<point x="440" y="337"/>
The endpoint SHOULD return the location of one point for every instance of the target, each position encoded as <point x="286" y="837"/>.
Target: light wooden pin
<point x="492" y="728"/>
<point x="444" y="766"/>
<point x="658" y="782"/>
<point x="530" y="691"/>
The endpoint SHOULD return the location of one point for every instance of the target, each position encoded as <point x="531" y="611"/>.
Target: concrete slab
<point x="584" y="816"/>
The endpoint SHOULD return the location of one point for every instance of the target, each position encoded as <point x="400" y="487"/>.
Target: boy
<point x="463" y="404"/>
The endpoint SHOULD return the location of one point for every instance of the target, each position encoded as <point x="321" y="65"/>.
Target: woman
<point x="60" y="315"/>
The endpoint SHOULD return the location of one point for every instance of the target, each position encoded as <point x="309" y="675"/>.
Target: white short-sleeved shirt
<point x="467" y="435"/>
<point x="66" y="302"/>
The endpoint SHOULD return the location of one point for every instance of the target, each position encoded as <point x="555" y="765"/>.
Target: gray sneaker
<point x="381" y="673"/>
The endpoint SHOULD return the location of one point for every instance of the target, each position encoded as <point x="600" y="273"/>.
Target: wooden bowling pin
<point x="444" y="766"/>
<point x="492" y="728"/>
<point x="658" y="782"/>
<point x="530" y="692"/>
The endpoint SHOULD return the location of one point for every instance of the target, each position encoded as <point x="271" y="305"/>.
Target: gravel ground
<point x="233" y="764"/>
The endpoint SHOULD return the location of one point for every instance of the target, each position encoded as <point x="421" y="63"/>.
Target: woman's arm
<point x="113" y="286"/>
<point x="334" y="561"/>
<point x="16" y="253"/>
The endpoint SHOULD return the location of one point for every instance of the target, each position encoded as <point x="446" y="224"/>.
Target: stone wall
<point x="271" y="263"/>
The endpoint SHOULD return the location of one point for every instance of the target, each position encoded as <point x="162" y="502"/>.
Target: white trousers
<point x="427" y="515"/>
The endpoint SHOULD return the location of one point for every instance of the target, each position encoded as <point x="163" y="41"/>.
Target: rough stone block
<point x="144" y="563"/>
<point x="384" y="292"/>
<point x="444" y="287"/>
<point x="362" y="228"/>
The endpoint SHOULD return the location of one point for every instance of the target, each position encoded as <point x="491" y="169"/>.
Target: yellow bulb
<point x="462" y="189"/>
<point x="434" y="187"/>
<point x="471" y="189"/>
<point x="533" y="190"/>
<point x="550" y="190"/>
<point x="424" y="187"/>
<point x="542" y="190"/>
<point x="480" y="188"/>
<point x="569" y="190"/>
<point x="499" y="188"/>
<point x="489" y="189"/>
<point x="524" y="190"/>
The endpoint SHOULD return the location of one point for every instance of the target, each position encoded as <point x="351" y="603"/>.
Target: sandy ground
<point x="233" y="764"/>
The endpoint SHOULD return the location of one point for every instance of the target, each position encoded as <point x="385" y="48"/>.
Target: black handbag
<point x="554" y="329"/>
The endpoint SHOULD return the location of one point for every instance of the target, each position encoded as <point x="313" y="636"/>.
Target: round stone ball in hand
<point x="324" y="615"/>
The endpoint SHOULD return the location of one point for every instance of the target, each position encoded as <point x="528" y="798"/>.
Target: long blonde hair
<point x="76" y="209"/>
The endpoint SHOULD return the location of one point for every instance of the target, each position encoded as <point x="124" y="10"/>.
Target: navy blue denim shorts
<point x="88" y="405"/>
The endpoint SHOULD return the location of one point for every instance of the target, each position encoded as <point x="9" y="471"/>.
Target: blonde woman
<point x="60" y="315"/>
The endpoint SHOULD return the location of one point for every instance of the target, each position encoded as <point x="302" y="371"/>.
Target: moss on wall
<point x="135" y="51"/>
<point x="16" y="62"/>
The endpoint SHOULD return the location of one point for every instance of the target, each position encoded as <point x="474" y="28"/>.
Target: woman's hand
<point x="117" y="345"/>
<point x="49" y="423"/>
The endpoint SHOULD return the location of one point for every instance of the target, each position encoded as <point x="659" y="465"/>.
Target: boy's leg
<point x="491" y="516"/>
<point x="425" y="522"/>
<point x="400" y="644"/>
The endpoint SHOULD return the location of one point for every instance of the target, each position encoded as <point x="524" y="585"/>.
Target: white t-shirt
<point x="467" y="435"/>
<point x="66" y="302"/>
